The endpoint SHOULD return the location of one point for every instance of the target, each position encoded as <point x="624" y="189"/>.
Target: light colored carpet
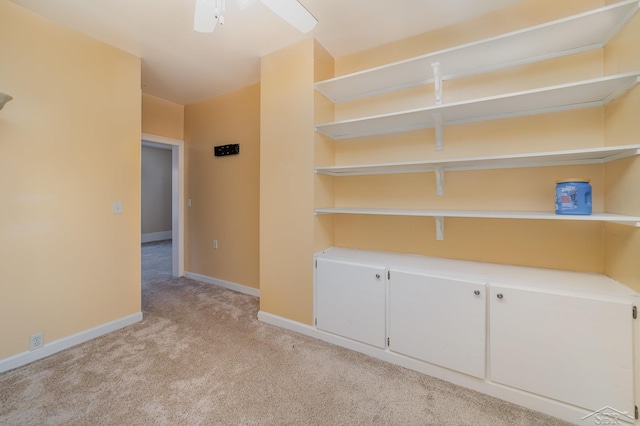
<point x="200" y="357"/>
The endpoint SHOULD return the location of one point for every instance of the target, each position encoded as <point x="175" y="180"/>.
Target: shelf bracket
<point x="439" y="228"/>
<point x="437" y="124"/>
<point x="439" y="170"/>
<point x="437" y="82"/>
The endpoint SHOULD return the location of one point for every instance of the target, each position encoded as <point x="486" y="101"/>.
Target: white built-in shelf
<point x="537" y="159"/>
<point x="582" y="32"/>
<point x="578" y="33"/>
<point x="487" y="214"/>
<point x="582" y="94"/>
<point x="439" y="215"/>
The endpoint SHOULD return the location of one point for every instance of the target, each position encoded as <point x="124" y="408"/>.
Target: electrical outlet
<point x="36" y="341"/>
<point x="215" y="244"/>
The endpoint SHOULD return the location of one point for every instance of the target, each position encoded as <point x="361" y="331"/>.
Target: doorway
<point x="177" y="196"/>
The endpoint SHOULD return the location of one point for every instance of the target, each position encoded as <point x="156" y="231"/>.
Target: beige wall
<point x="622" y="178"/>
<point x="287" y="227"/>
<point x="224" y="191"/>
<point x="162" y="118"/>
<point x="156" y="190"/>
<point x="70" y="147"/>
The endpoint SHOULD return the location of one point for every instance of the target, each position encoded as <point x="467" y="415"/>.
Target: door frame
<point x="177" y="196"/>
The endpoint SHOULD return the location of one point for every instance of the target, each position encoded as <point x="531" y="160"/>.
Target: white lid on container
<point x="578" y="180"/>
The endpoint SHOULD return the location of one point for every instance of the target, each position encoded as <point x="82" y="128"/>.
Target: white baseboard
<point x="222" y="283"/>
<point x="155" y="236"/>
<point x="548" y="406"/>
<point x="67" y="342"/>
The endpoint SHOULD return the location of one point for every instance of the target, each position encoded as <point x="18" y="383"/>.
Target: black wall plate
<point x="222" y="150"/>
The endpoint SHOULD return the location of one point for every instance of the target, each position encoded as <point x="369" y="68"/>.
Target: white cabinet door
<point x="570" y="348"/>
<point x="438" y="320"/>
<point x="351" y="300"/>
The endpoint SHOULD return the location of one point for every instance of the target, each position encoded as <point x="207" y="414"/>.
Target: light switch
<point x="189" y="202"/>
<point x="117" y="207"/>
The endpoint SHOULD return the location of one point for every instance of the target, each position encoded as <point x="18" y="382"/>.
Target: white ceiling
<point x="183" y="66"/>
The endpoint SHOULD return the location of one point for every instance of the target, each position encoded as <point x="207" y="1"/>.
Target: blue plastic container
<point x="573" y="196"/>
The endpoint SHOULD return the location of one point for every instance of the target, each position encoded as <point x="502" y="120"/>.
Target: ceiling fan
<point x="208" y="13"/>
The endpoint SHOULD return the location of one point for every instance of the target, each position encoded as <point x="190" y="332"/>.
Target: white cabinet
<point x="351" y="300"/>
<point x="571" y="348"/>
<point x="537" y="337"/>
<point x="439" y="320"/>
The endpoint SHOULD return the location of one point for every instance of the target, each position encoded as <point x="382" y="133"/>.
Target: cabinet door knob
<point x="500" y="296"/>
<point x="378" y="276"/>
<point x="476" y="292"/>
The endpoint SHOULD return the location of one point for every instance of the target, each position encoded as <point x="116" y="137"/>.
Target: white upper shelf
<point x="582" y="94"/>
<point x="538" y="159"/>
<point x="487" y="214"/>
<point x="578" y="33"/>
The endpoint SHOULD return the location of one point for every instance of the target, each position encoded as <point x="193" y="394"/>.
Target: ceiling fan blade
<point x="243" y="4"/>
<point x="293" y="12"/>
<point x="205" y="16"/>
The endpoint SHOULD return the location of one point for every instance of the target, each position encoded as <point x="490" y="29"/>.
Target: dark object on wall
<point x="4" y="98"/>
<point x="231" y="149"/>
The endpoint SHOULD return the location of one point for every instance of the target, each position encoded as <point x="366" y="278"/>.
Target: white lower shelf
<point x="439" y="215"/>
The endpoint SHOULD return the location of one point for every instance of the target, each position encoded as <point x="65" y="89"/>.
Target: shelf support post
<point x="437" y="124"/>
<point x="437" y="82"/>
<point x="439" y="228"/>
<point x="439" y="170"/>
